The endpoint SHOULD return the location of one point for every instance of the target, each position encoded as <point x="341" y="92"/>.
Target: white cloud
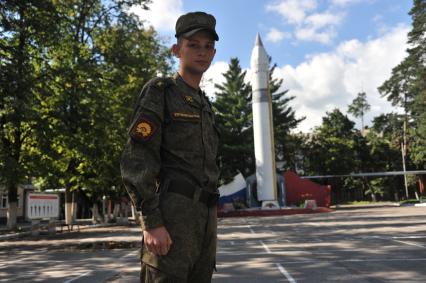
<point x="320" y="20"/>
<point x="162" y="14"/>
<point x="214" y="75"/>
<point x="326" y="81"/>
<point x="309" y="24"/>
<point x="332" y="80"/>
<point x="274" y="35"/>
<point x="347" y="2"/>
<point x="312" y="34"/>
<point x="293" y="11"/>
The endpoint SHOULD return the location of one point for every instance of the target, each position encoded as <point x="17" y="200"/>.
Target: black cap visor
<point x="190" y="33"/>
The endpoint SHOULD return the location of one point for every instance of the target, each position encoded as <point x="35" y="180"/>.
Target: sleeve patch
<point x="143" y="129"/>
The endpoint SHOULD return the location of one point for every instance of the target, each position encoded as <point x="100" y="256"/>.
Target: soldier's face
<point x="195" y="53"/>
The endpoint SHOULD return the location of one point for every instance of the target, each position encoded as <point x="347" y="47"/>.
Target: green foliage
<point x="25" y="32"/>
<point x="330" y="150"/>
<point x="359" y="106"/>
<point x="103" y="59"/>
<point x="376" y="187"/>
<point x="407" y="85"/>
<point x="71" y="71"/>
<point x="409" y="201"/>
<point x="234" y="119"/>
<point x="284" y="120"/>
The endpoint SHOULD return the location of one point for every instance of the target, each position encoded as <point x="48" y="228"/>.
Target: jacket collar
<point x="189" y="94"/>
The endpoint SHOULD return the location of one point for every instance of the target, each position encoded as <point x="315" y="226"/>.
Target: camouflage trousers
<point x="193" y="229"/>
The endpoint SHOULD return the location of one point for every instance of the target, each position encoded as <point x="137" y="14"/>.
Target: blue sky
<point x="326" y="50"/>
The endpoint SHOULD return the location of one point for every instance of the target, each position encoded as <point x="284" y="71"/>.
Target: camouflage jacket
<point x="172" y="135"/>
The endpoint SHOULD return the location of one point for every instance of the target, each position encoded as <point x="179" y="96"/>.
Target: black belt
<point x="189" y="190"/>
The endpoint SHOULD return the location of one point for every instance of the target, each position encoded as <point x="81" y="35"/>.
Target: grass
<point x="366" y="202"/>
<point x="408" y="201"/>
<point x="362" y="202"/>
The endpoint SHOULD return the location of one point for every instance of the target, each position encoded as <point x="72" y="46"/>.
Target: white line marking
<point x="285" y="273"/>
<point x="280" y="267"/>
<point x="251" y="229"/>
<point x="129" y="254"/>
<point x="355" y="260"/>
<point x="408" y="243"/>
<point x="409" y="237"/>
<point x="78" y="277"/>
<point x="265" y="247"/>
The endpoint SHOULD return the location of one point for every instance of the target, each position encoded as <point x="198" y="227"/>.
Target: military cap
<point x="193" y="22"/>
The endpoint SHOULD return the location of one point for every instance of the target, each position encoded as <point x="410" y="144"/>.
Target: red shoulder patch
<point x="143" y="129"/>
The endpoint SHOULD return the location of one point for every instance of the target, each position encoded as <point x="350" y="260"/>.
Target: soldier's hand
<point x="157" y="240"/>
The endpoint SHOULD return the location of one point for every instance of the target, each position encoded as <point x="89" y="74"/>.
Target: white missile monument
<point x="263" y="130"/>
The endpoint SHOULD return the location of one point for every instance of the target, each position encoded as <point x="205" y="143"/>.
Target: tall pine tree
<point x="407" y="85"/>
<point x="417" y="39"/>
<point x="359" y="106"/>
<point x="234" y="119"/>
<point x="284" y="119"/>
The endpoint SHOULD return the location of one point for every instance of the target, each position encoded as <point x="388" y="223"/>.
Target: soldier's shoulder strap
<point x="161" y="83"/>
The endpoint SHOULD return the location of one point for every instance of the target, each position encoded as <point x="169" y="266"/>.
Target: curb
<point x="348" y="207"/>
<point x="81" y="227"/>
<point x="14" y="235"/>
<point x="273" y="212"/>
<point x="95" y="245"/>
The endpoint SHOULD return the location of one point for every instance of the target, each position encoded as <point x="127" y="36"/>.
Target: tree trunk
<point x="68" y="206"/>
<point x="95" y="213"/>
<point x="135" y="215"/>
<point x="396" y="196"/>
<point x="116" y="211"/>
<point x="109" y="210"/>
<point x="12" y="210"/>
<point x="74" y="207"/>
<point x="373" y="197"/>
<point x="422" y="185"/>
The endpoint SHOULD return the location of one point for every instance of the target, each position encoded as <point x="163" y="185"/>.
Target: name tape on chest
<point x="186" y="116"/>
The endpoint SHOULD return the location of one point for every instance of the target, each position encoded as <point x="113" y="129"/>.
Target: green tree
<point x="384" y="141"/>
<point x="330" y="147"/>
<point x="359" y="106"/>
<point x="77" y="113"/>
<point x="234" y="119"/>
<point x="418" y="144"/>
<point x="407" y="85"/>
<point x="123" y="46"/>
<point x="284" y="119"/>
<point x="25" y="32"/>
<point x="335" y="148"/>
<point x="417" y="39"/>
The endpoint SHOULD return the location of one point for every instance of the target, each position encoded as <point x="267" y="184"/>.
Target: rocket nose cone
<point x="258" y="40"/>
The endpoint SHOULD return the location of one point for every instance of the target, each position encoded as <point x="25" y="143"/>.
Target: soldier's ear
<point x="176" y="50"/>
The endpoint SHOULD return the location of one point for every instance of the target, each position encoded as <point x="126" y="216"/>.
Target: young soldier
<point x="169" y="163"/>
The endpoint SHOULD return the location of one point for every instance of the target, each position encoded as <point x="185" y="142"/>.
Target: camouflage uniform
<point x="169" y="168"/>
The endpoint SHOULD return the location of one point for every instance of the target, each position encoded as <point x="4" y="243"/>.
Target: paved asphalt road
<point x="363" y="245"/>
<point x="66" y="266"/>
<point x="356" y="245"/>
